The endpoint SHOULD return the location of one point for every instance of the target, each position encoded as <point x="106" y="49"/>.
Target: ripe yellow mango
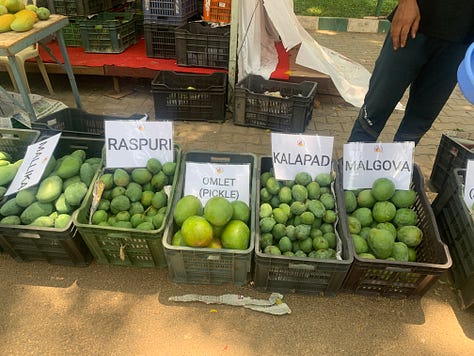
<point x="26" y="12"/>
<point x="22" y="23"/>
<point x="14" y="5"/>
<point x="5" y="22"/>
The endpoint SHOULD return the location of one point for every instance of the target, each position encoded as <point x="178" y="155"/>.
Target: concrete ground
<point x="107" y="310"/>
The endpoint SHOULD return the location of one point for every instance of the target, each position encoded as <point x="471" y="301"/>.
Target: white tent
<point x="262" y="22"/>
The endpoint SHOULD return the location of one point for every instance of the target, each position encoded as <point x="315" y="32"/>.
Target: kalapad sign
<point x="469" y="184"/>
<point x="131" y="143"/>
<point x="294" y="153"/>
<point x="34" y="164"/>
<point x="363" y="163"/>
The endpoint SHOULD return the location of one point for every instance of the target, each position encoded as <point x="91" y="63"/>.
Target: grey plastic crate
<point x="205" y="265"/>
<point x="299" y="274"/>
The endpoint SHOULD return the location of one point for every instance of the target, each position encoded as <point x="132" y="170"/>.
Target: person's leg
<point x="431" y="89"/>
<point x="393" y="73"/>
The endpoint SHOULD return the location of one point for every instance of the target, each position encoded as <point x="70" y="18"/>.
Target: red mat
<point x="135" y="57"/>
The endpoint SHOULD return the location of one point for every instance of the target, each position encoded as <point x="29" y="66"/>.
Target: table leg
<point x="22" y="88"/>
<point x="68" y="68"/>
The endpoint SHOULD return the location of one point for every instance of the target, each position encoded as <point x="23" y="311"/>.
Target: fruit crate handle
<point x="398" y="269"/>
<point x="220" y="159"/>
<point x="29" y="235"/>
<point x="301" y="266"/>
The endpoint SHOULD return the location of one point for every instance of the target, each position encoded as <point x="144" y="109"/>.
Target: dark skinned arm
<point x="406" y="21"/>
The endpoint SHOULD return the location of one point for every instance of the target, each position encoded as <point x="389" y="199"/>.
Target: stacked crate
<point x="94" y="29"/>
<point x="108" y="32"/>
<point x="161" y="18"/>
<point x="76" y="10"/>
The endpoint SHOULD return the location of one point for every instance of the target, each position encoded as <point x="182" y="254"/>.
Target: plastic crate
<point x="74" y="122"/>
<point x="72" y="32"/>
<point x="299" y="274"/>
<point x="217" y="11"/>
<point x="57" y="246"/>
<point x="199" y="44"/>
<point x="77" y="7"/>
<point x="108" y="32"/>
<point x="454" y="150"/>
<point x="15" y="142"/>
<point x="124" y="246"/>
<point x="111" y="4"/>
<point x="255" y="104"/>
<point x="456" y="227"/>
<point x="168" y="12"/>
<point x="190" y="96"/>
<point x="160" y="40"/>
<point x="206" y="265"/>
<point x="395" y="278"/>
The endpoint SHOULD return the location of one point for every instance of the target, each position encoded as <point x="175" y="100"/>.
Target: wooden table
<point x="13" y="42"/>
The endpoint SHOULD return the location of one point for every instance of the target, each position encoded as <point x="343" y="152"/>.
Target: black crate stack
<point x="160" y="19"/>
<point x="91" y="26"/>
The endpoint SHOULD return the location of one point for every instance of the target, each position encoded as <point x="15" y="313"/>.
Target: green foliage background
<point x="343" y="8"/>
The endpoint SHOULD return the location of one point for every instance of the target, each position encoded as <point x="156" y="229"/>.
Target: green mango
<point x="49" y="189"/>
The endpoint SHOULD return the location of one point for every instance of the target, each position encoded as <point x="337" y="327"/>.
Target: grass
<point x="342" y="8"/>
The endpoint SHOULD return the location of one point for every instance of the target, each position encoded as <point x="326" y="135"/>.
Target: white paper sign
<point x="207" y="180"/>
<point x="363" y="163"/>
<point x="469" y="184"/>
<point x="292" y="154"/>
<point x="34" y="163"/>
<point x="130" y="143"/>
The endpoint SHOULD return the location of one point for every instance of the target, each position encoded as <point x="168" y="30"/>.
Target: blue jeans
<point x="430" y="66"/>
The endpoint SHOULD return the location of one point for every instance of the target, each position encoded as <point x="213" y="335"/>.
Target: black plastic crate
<point x="395" y="278"/>
<point x="108" y="32"/>
<point x="57" y="246"/>
<point x="207" y="265"/>
<point x="456" y="226"/>
<point x="274" y="105"/>
<point x="160" y="40"/>
<point x="77" y="7"/>
<point x="454" y="150"/>
<point x="201" y="45"/>
<point x="74" y="122"/>
<point x="169" y="12"/>
<point x="15" y="142"/>
<point x="72" y="32"/>
<point x="190" y="96"/>
<point x="298" y="274"/>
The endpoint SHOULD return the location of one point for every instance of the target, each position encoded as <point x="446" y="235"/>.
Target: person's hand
<point x="405" y="22"/>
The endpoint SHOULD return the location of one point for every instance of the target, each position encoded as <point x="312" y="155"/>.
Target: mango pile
<point x="382" y="222"/>
<point x="297" y="217"/>
<point x="220" y="223"/>
<point x="51" y="202"/>
<point x="18" y="17"/>
<point x="8" y="170"/>
<point x="135" y="198"/>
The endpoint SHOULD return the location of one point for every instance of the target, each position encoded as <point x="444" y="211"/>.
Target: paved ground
<point x="101" y="309"/>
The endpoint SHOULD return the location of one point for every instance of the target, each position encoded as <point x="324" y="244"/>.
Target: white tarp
<point x="257" y="54"/>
